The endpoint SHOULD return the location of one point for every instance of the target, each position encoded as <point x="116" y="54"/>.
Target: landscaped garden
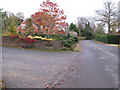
<point x="46" y="29"/>
<point x="42" y="41"/>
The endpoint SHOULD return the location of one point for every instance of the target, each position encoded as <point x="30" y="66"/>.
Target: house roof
<point x="21" y="23"/>
<point x="24" y="22"/>
<point x="35" y="25"/>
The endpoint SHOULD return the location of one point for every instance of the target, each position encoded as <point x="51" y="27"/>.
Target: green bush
<point x="67" y="40"/>
<point x="113" y="39"/>
<point x="101" y="38"/>
<point x="110" y="39"/>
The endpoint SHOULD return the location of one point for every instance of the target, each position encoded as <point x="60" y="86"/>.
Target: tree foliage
<point x="27" y="28"/>
<point x="50" y="18"/>
<point x="44" y="21"/>
<point x="99" y="30"/>
<point x="88" y="31"/>
<point x="10" y="22"/>
<point x="73" y="27"/>
<point x="86" y="27"/>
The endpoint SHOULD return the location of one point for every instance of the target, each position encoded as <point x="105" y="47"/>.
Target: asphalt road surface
<point x="95" y="66"/>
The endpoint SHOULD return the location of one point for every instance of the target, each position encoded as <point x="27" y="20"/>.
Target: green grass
<point x="112" y="45"/>
<point x="36" y="48"/>
<point x="98" y="42"/>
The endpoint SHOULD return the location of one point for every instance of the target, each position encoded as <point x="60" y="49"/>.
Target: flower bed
<point x="51" y="42"/>
<point x="25" y="42"/>
<point x="31" y="43"/>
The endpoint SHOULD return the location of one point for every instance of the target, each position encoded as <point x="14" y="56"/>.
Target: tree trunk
<point x="109" y="32"/>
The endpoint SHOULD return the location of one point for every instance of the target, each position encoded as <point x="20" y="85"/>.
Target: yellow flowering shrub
<point x="41" y="38"/>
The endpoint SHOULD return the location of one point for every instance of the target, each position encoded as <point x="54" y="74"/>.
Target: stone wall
<point x="39" y="44"/>
<point x="6" y="40"/>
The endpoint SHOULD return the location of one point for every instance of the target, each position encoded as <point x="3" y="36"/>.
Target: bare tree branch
<point x="108" y="15"/>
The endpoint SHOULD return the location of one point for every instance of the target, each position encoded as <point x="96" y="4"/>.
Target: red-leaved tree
<point x="50" y="19"/>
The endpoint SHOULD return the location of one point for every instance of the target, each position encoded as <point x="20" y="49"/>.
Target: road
<point x="96" y="66"/>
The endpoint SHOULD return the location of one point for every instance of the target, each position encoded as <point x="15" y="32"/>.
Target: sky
<point x="72" y="8"/>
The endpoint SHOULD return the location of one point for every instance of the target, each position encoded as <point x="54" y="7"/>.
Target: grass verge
<point x="77" y="48"/>
<point x="112" y="45"/>
<point x="35" y="48"/>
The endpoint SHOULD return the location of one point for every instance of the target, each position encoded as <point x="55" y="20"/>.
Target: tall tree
<point x="0" y="22"/>
<point x="53" y="17"/>
<point x="83" y="23"/>
<point x="119" y="16"/>
<point x="73" y="27"/>
<point x="4" y="21"/>
<point x="12" y="23"/>
<point x="1" y="18"/>
<point x="99" y="30"/>
<point x="9" y="22"/>
<point x="107" y="15"/>
<point x="88" y="31"/>
<point x="44" y="21"/>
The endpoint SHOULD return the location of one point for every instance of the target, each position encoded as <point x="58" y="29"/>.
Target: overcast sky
<point x="72" y="8"/>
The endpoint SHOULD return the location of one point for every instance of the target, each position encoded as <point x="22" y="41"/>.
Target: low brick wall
<point x="6" y="40"/>
<point x="50" y="45"/>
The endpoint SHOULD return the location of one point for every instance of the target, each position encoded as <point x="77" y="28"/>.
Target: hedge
<point x="110" y="39"/>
